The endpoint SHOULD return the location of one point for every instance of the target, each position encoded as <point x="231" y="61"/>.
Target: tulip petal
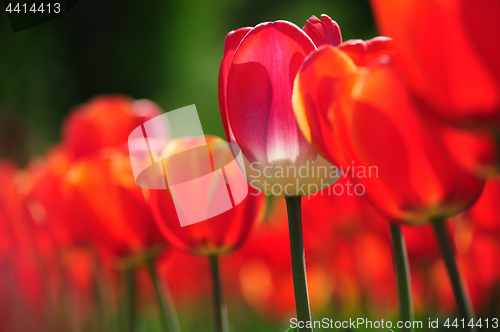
<point x="259" y="92"/>
<point x="231" y="43"/>
<point x="324" y="31"/>
<point x="313" y="95"/>
<point x="417" y="179"/>
<point x="87" y="129"/>
<point x="368" y="52"/>
<point x="440" y="47"/>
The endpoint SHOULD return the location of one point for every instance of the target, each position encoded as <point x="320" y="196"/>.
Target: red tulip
<point x="485" y="211"/>
<point x="255" y="89"/>
<point x="91" y="172"/>
<point x="21" y="219"/>
<point x="51" y="193"/>
<point x="448" y="55"/>
<point x="313" y="91"/>
<point x="113" y="207"/>
<point x="219" y="234"/>
<point x="104" y="122"/>
<point x="27" y="252"/>
<point x="379" y="125"/>
<point x="231" y="43"/>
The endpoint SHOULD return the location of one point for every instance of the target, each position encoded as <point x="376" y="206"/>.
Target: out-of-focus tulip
<point x="408" y="173"/>
<point x="418" y="179"/>
<point x="486" y="210"/>
<point x="475" y="149"/>
<point x="28" y="262"/>
<point x="255" y="89"/>
<point x="447" y="54"/>
<point x="25" y="232"/>
<point x="113" y="207"/>
<point x="104" y="122"/>
<point x="219" y="234"/>
<point x="50" y="193"/>
<point x="107" y="206"/>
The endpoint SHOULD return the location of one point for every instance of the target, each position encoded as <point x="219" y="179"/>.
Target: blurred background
<point x="166" y="51"/>
<point x="169" y="52"/>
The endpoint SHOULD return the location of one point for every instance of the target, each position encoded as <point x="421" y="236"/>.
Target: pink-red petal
<point x="231" y="43"/>
<point x="323" y="32"/>
<point x="259" y="92"/>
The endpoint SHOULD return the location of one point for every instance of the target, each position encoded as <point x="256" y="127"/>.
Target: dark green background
<point x="167" y="51"/>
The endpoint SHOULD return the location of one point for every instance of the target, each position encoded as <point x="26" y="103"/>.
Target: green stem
<point x="293" y="207"/>
<point x="168" y="313"/>
<point x="220" y="309"/>
<point x="461" y="298"/>
<point x="99" y="303"/>
<point x="128" y="303"/>
<point x="68" y="319"/>
<point x="403" y="275"/>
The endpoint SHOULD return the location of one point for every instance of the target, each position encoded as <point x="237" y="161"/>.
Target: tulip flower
<point x="104" y="122"/>
<point x="314" y="96"/>
<point x="450" y="63"/>
<point x="449" y="59"/>
<point x="485" y="211"/>
<point x="254" y="97"/>
<point x="108" y="203"/>
<point x="119" y="222"/>
<point x="51" y="191"/>
<point x="113" y="208"/>
<point x="217" y="235"/>
<point x="379" y="124"/>
<point x="28" y="253"/>
<point x="255" y="90"/>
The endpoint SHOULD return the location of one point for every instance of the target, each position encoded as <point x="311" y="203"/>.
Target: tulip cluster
<point x="387" y="149"/>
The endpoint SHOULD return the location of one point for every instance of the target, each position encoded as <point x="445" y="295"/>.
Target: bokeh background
<point x="169" y="52"/>
<point x="166" y="51"/>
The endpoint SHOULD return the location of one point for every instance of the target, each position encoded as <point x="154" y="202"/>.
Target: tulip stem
<point x="128" y="302"/>
<point x="461" y="298"/>
<point x="293" y="207"/>
<point x="403" y="275"/>
<point x="220" y="309"/>
<point x="168" y="314"/>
